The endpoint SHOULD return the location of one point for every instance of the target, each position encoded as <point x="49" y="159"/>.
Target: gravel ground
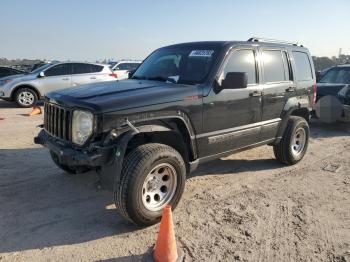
<point x="246" y="207"/>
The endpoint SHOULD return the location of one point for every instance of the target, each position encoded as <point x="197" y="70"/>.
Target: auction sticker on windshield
<point x="202" y="53"/>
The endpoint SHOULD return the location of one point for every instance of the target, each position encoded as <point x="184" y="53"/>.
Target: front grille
<point x="57" y="121"/>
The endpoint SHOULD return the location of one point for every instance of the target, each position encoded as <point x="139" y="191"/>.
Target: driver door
<point x="231" y="117"/>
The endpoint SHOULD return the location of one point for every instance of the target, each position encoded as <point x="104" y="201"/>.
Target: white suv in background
<point x="26" y="89"/>
<point x="122" y="68"/>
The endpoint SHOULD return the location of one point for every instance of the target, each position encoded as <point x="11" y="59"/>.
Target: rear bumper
<point x="93" y="157"/>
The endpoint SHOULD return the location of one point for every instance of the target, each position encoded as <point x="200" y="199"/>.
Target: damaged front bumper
<point x="93" y="156"/>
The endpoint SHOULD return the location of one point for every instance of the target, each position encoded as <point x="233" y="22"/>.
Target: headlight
<point x="82" y="126"/>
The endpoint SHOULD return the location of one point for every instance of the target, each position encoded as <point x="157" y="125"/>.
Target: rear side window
<point x="58" y="70"/>
<point x="303" y="66"/>
<point x="242" y="61"/>
<point x="287" y="67"/>
<point x="86" y="68"/>
<point x="274" y="67"/>
<point x="127" y="66"/>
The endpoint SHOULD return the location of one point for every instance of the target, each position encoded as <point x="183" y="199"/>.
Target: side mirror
<point x="234" y="80"/>
<point x="41" y="74"/>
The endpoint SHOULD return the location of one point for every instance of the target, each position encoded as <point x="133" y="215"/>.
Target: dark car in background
<point x="336" y="83"/>
<point x="8" y="71"/>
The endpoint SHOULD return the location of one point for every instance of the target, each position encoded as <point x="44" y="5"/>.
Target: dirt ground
<point x="246" y="207"/>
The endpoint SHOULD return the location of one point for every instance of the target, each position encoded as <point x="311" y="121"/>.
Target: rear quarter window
<point x="303" y="66"/>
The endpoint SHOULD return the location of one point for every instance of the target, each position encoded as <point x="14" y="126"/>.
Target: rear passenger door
<point x="86" y="73"/>
<point x="278" y="86"/>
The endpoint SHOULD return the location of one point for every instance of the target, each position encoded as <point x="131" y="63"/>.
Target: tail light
<point x="315" y="94"/>
<point x="113" y="75"/>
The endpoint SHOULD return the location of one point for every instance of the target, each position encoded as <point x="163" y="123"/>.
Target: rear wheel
<point x="153" y="176"/>
<point x="26" y="97"/>
<point x="72" y="170"/>
<point x="294" y="142"/>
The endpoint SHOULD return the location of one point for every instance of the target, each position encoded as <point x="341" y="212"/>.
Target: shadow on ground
<point x="6" y="104"/>
<point x="41" y="207"/>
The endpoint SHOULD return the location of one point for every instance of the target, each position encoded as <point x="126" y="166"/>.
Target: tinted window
<point x="122" y="66"/>
<point x="58" y="70"/>
<point x="242" y="61"/>
<point x="86" y="68"/>
<point x="340" y="75"/>
<point x="303" y="66"/>
<point x="273" y="66"/>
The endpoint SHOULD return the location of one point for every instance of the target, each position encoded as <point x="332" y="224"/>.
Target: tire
<point x="164" y="169"/>
<point x="26" y="97"/>
<point x="71" y="170"/>
<point x="293" y="145"/>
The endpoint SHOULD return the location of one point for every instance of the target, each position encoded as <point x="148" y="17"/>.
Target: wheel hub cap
<point x="26" y="98"/>
<point x="159" y="187"/>
<point x="298" y="141"/>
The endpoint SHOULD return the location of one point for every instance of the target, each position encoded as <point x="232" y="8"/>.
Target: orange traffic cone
<point x="165" y="250"/>
<point x="36" y="111"/>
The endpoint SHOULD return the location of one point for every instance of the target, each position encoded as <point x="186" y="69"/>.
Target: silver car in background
<point x="26" y="89"/>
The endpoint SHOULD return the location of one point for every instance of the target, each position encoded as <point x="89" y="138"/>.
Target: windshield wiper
<point x="162" y="78"/>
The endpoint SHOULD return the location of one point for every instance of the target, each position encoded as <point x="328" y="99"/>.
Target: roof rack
<point x="267" y="40"/>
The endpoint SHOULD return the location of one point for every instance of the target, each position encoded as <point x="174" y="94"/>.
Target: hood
<point x="21" y="77"/>
<point x="120" y="95"/>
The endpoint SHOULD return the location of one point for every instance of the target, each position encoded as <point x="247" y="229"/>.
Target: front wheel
<point x="26" y="97"/>
<point x="293" y="145"/>
<point x="153" y="176"/>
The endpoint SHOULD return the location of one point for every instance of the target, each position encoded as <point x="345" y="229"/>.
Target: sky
<point x="89" y="30"/>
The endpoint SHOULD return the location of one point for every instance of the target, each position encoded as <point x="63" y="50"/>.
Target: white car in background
<point x="122" y="68"/>
<point x="27" y="89"/>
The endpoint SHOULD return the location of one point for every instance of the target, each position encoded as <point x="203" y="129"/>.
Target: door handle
<point x="290" y="89"/>
<point x="256" y="93"/>
<point x="93" y="77"/>
<point x="66" y="78"/>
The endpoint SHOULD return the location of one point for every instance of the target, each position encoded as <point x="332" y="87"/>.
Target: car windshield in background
<point x="41" y="68"/>
<point x="339" y="75"/>
<point x="188" y="65"/>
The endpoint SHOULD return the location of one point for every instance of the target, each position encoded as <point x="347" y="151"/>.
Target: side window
<point x="95" y="68"/>
<point x="303" y="66"/>
<point x="58" y="70"/>
<point x="133" y="66"/>
<point x="80" y="68"/>
<point x="123" y="66"/>
<point x="273" y="66"/>
<point x="242" y="61"/>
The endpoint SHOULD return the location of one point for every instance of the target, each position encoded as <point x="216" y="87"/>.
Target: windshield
<point x="182" y="65"/>
<point x="41" y="68"/>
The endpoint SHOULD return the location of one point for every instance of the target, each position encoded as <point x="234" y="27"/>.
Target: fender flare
<point x="292" y="104"/>
<point x="110" y="174"/>
<point x="14" y="90"/>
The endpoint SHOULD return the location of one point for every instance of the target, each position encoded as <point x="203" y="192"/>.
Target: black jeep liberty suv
<point x="186" y="104"/>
